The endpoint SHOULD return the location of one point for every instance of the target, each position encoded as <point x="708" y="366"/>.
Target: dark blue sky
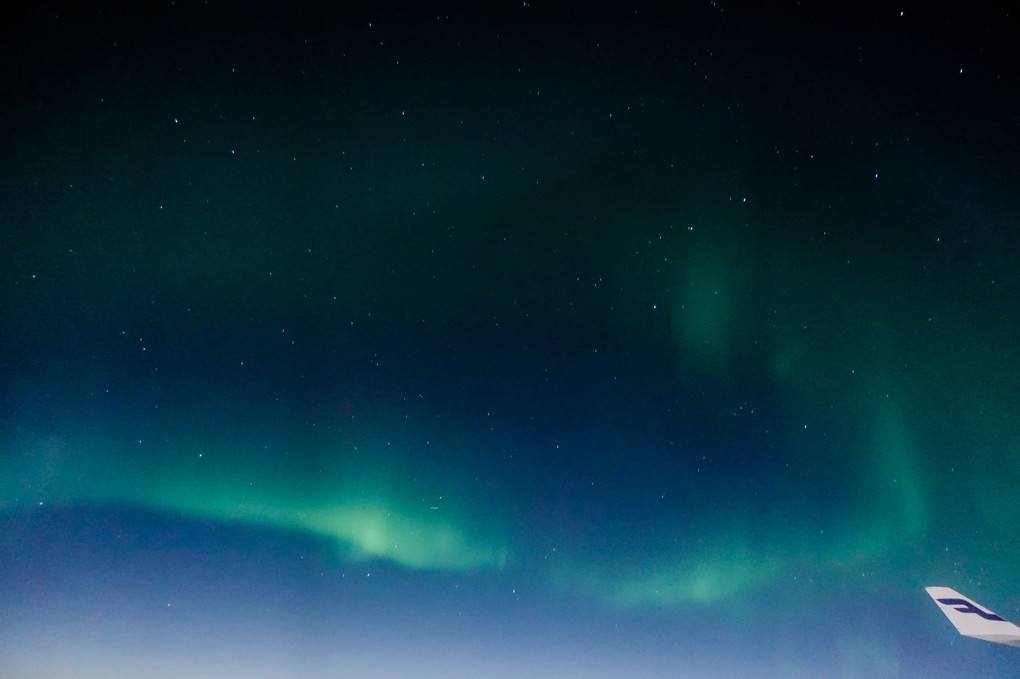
<point x="420" y="340"/>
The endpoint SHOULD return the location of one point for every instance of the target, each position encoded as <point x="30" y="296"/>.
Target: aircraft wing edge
<point x="973" y="620"/>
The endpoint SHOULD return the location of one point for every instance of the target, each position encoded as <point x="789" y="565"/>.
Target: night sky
<point x="501" y="340"/>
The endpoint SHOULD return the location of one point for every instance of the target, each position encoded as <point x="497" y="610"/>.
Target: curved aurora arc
<point x="366" y="502"/>
<point x="373" y="508"/>
<point x="371" y="518"/>
<point x="366" y="519"/>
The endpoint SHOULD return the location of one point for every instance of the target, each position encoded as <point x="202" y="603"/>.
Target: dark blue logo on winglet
<point x="965" y="606"/>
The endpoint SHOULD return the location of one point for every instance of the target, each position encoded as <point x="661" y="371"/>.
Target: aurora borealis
<point x="420" y="340"/>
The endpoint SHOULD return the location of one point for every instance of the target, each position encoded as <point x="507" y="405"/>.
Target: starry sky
<point x="499" y="340"/>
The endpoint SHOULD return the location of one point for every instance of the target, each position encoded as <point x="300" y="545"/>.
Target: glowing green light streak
<point x="418" y="538"/>
<point x="366" y="515"/>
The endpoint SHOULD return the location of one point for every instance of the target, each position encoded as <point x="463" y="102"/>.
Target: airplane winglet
<point x="972" y="620"/>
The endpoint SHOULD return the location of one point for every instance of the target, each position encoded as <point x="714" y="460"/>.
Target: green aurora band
<point x="371" y="516"/>
<point x="810" y="346"/>
<point x="359" y="511"/>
